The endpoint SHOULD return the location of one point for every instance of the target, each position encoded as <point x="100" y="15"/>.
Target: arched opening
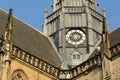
<point x="19" y="75"/>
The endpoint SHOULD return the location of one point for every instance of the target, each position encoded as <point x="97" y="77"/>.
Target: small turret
<point x="44" y="25"/>
<point x="9" y="26"/>
<point x="45" y="12"/>
<point x="106" y="54"/>
<point x="104" y="12"/>
<point x="105" y="36"/>
<point x="7" y="46"/>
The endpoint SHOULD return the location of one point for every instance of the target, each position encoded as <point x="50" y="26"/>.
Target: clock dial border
<point x="77" y="35"/>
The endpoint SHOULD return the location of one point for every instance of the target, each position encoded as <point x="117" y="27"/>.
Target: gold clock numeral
<point x="75" y="37"/>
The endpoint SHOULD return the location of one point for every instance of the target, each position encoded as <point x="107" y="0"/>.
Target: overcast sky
<point x="32" y="11"/>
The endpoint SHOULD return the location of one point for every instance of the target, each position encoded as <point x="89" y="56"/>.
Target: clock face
<point x="75" y="37"/>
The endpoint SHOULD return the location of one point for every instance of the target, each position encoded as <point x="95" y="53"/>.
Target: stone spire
<point x="6" y="66"/>
<point x="44" y="25"/>
<point x="9" y="26"/>
<point x="105" y="50"/>
<point x="105" y="36"/>
<point x="45" y="12"/>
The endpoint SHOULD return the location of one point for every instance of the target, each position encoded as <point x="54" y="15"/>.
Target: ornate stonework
<point x="101" y="62"/>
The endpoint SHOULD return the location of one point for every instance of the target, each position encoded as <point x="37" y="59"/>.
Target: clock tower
<point x="75" y="27"/>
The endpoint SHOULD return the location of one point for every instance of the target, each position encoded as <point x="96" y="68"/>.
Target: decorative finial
<point x="105" y="36"/>
<point x="104" y="12"/>
<point x="62" y="2"/>
<point x="45" y="12"/>
<point x="10" y="9"/>
<point x="9" y="26"/>
<point x="10" y="17"/>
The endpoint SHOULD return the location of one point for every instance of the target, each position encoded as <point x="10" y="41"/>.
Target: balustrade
<point x="23" y="55"/>
<point x="74" y="72"/>
<point x="14" y="50"/>
<point x="95" y="62"/>
<point x="77" y="9"/>
<point x="96" y="14"/>
<point x="44" y="66"/>
<point x="68" y="76"/>
<point x="87" y="65"/>
<point x="18" y="53"/>
<point x="32" y="60"/>
<point x="0" y="41"/>
<point x="27" y="58"/>
<point x="78" y="70"/>
<point x="36" y="62"/>
<point x="61" y="74"/>
<point x="99" y="60"/>
<point x="40" y="65"/>
<point x="115" y="50"/>
<point x="118" y="47"/>
<point x="90" y="64"/>
<point x="53" y="16"/>
<point x="48" y="68"/>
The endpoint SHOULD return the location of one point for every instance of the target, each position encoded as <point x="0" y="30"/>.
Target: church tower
<point x="75" y="27"/>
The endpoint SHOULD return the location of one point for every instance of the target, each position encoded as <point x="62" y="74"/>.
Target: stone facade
<point x="94" y="75"/>
<point x="99" y="60"/>
<point x="30" y="73"/>
<point x="115" y="69"/>
<point x="74" y="15"/>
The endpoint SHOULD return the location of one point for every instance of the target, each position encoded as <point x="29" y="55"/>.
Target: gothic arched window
<point x="19" y="75"/>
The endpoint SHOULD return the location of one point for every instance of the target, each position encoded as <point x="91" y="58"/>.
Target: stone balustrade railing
<point x="53" y="16"/>
<point x="74" y="9"/>
<point x="36" y="62"/>
<point x="115" y="50"/>
<point x="96" y="14"/>
<point x="56" y="73"/>
<point x="80" y="69"/>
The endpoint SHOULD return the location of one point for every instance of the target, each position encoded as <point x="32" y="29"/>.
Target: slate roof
<point x="115" y="37"/>
<point x="30" y="40"/>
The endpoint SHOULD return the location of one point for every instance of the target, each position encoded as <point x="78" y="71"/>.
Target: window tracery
<point x="19" y="75"/>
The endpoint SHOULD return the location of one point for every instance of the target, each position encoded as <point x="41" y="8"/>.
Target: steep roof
<point x="115" y="37"/>
<point x="30" y="40"/>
